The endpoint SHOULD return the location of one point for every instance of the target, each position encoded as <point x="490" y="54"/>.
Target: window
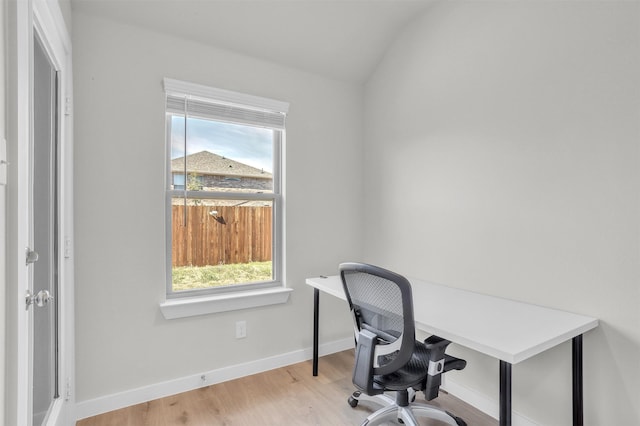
<point x="178" y="180"/>
<point x="223" y="190"/>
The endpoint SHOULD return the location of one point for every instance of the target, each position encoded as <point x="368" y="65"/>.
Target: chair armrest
<point x="453" y="363"/>
<point x="363" y="369"/>
<point x="439" y="363"/>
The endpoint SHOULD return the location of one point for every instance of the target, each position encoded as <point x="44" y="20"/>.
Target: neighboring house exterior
<point x="209" y="171"/>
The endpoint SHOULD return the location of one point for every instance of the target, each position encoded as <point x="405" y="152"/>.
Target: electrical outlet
<point x="241" y="329"/>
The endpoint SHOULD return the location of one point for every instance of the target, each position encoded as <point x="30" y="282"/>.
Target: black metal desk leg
<point x="505" y="393"/>
<point x="316" y="318"/>
<point x="576" y="358"/>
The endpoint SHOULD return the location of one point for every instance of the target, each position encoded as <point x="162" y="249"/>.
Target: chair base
<point x="406" y="415"/>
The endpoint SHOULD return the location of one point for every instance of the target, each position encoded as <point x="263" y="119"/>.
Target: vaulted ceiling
<point x="342" y="39"/>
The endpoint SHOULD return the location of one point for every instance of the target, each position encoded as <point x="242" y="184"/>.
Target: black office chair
<point x="388" y="358"/>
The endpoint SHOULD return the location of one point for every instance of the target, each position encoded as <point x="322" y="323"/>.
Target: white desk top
<point x="505" y="329"/>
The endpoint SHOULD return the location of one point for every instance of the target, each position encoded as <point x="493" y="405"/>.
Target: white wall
<point x="65" y="9"/>
<point x="123" y="341"/>
<point x="502" y="155"/>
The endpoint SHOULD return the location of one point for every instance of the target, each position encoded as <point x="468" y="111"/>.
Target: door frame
<point x="44" y="18"/>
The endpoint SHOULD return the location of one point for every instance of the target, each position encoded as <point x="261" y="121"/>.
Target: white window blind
<point x="223" y="105"/>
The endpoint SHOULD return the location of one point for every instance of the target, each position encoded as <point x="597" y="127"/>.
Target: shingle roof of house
<point x="208" y="163"/>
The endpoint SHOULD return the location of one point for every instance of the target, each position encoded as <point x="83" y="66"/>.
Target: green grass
<point x="198" y="277"/>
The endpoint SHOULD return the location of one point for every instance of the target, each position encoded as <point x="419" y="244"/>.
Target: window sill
<point x="192" y="306"/>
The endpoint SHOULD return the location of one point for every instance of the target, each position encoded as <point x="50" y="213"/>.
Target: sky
<point x="246" y="144"/>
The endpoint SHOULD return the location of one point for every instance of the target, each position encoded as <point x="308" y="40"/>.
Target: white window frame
<point x="239" y="296"/>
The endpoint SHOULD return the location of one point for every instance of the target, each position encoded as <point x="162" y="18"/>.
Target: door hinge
<point x="67" y="105"/>
<point x="67" y="391"/>
<point x="31" y="256"/>
<point x="3" y="161"/>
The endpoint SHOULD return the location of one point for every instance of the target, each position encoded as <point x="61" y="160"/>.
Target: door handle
<point x="41" y="299"/>
<point x="32" y="256"/>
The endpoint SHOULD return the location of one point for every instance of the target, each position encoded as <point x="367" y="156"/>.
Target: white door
<point x="40" y="333"/>
<point x="44" y="227"/>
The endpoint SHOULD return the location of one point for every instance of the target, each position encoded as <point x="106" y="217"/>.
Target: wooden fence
<point x="237" y="234"/>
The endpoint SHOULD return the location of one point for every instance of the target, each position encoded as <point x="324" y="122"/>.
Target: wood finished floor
<point x="285" y="396"/>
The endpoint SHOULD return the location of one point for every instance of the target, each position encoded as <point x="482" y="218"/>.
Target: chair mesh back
<point x="381" y="302"/>
<point x="377" y="303"/>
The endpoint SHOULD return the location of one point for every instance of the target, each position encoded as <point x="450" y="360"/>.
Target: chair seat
<point x="409" y="376"/>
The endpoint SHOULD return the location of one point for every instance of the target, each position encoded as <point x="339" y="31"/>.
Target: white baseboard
<point x="94" y="407"/>
<point x="481" y="402"/>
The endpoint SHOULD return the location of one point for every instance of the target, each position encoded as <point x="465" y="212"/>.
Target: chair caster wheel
<point x="460" y="422"/>
<point x="456" y="419"/>
<point x="352" y="402"/>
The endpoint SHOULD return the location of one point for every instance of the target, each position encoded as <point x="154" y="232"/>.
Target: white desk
<point x="504" y="329"/>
